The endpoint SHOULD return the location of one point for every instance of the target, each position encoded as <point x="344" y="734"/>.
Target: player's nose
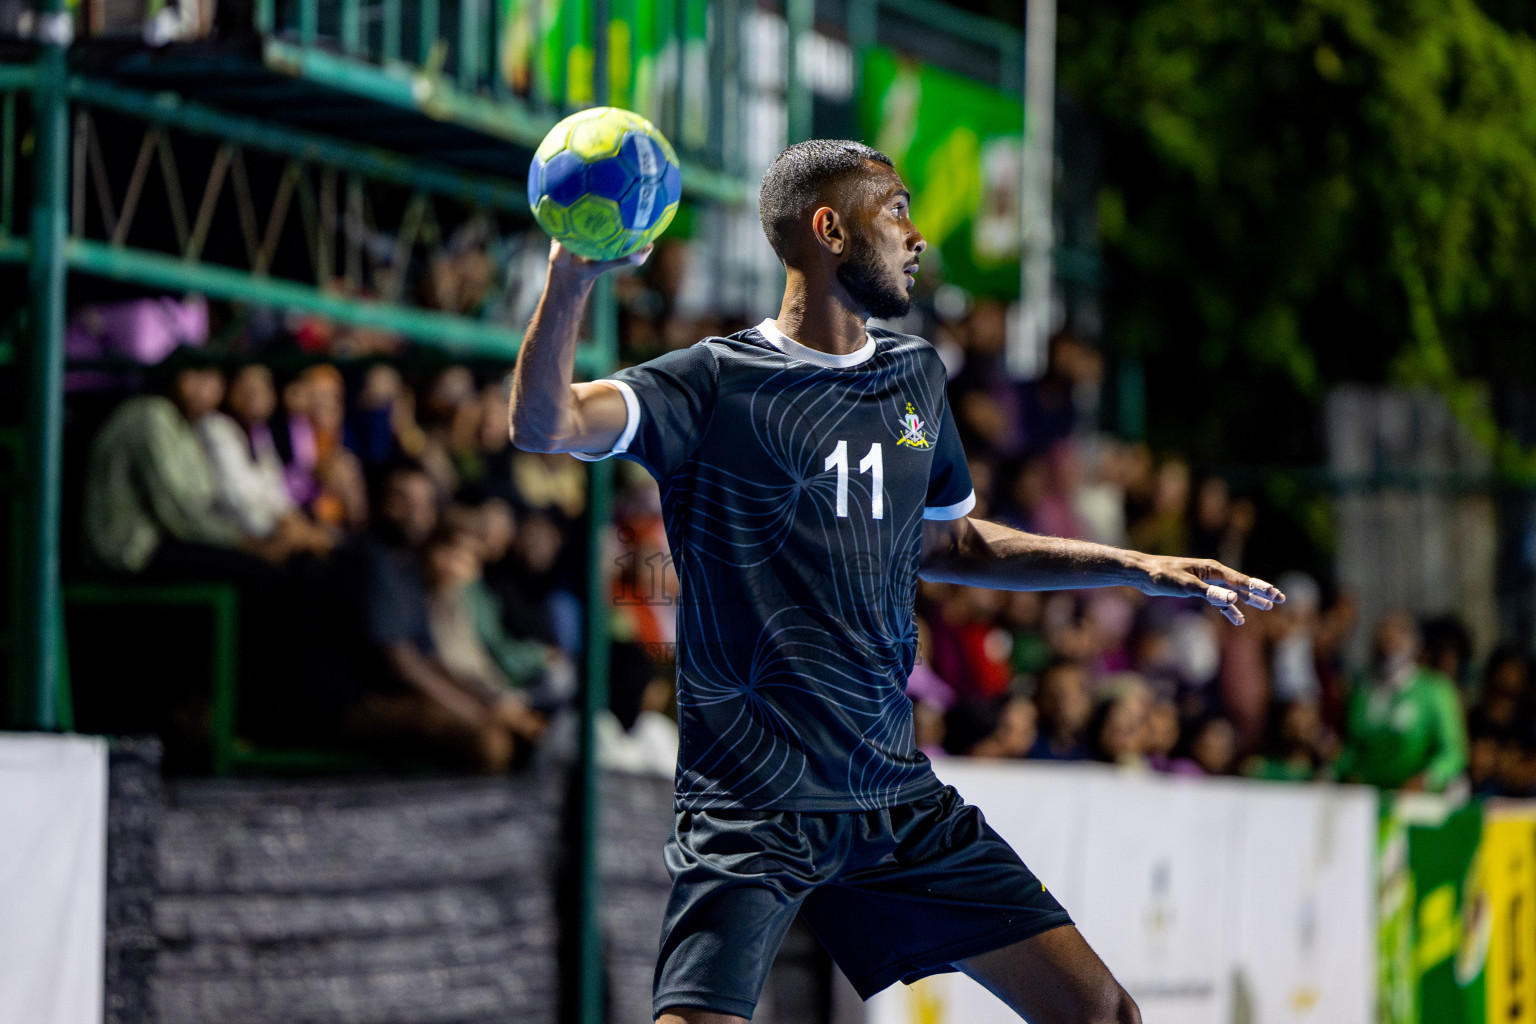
<point x="918" y="244"/>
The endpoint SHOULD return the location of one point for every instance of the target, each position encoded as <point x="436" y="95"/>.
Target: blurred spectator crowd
<point x="1164" y="684"/>
<point x="409" y="581"/>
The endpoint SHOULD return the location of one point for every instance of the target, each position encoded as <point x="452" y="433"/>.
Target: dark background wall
<point x="383" y="901"/>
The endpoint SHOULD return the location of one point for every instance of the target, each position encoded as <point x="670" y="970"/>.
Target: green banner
<point x="1433" y="913"/>
<point x="654" y="46"/>
<point x="957" y="144"/>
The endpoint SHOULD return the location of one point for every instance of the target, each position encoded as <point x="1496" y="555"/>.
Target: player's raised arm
<point x="548" y="413"/>
<point x="983" y="554"/>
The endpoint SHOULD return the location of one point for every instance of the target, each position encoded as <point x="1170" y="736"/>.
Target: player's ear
<point x="828" y="230"/>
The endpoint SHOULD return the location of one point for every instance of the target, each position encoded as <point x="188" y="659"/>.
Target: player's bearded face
<point x="870" y="281"/>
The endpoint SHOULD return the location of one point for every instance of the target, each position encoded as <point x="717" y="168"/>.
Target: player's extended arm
<point x="548" y="413"/>
<point x="983" y="554"/>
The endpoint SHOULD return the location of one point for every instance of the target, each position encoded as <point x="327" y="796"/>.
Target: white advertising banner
<point x="1157" y="867"/>
<point x="1304" y="918"/>
<point x="53" y="840"/>
<point x="1212" y="901"/>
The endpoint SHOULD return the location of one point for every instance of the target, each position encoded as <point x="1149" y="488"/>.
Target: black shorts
<point x="894" y="894"/>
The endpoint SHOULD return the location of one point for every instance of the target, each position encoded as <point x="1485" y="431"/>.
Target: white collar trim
<point x="792" y="348"/>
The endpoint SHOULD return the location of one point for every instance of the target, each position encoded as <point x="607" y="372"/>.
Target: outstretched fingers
<point x="1225" y="589"/>
<point x="1262" y="595"/>
<point x="1250" y="589"/>
<point x="1218" y="596"/>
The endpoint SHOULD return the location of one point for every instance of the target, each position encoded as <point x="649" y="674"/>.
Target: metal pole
<point x="602" y="86"/>
<point x="861" y="20"/>
<point x="38" y="617"/>
<point x="595" y="694"/>
<point x="605" y="326"/>
<point x="799" y="19"/>
<point x="1027" y="349"/>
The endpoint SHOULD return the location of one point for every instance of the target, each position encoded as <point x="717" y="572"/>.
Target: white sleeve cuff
<point x="957" y="510"/>
<point x="631" y="424"/>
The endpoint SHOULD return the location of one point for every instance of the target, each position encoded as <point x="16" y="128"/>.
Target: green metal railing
<point x="38" y="619"/>
<point x="100" y="240"/>
<point x="512" y="68"/>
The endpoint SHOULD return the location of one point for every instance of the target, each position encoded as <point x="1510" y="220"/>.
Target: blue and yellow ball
<point x="604" y="183"/>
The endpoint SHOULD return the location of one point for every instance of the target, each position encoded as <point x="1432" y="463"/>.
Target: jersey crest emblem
<point x="913" y="433"/>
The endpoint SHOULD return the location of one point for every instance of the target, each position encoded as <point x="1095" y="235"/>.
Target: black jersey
<point x="794" y="484"/>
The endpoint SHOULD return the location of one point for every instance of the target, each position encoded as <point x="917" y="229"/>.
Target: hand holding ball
<point x="604" y="183"/>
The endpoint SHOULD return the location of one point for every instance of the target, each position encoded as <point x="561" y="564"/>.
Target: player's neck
<point x="821" y="319"/>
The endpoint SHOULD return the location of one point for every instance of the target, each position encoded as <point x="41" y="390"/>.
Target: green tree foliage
<point x="1298" y="193"/>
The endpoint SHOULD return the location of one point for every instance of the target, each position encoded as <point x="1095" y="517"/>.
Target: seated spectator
<point x="1025" y="491"/>
<point x="1211" y="519"/>
<point x="1002" y="728"/>
<point x="1294" y="661"/>
<point x="1162" y="737"/>
<point x="403" y="691"/>
<point x="1154" y="656"/>
<point x="1099" y="503"/>
<point x="1023" y="617"/>
<point x="523" y="611"/>
<point x="1074" y="370"/>
<point x="1448" y="648"/>
<point x="1404" y="727"/>
<point x="1213" y="746"/>
<point x="247" y="471"/>
<point x="986" y="400"/>
<point x="466" y="625"/>
<point x="536" y="601"/>
<point x="1500" y="726"/>
<point x="151" y="502"/>
<point x="381" y="426"/>
<point x="488" y="466"/>
<point x="1335" y="625"/>
<point x="1164" y="528"/>
<point x="1117" y="730"/>
<point x="322" y="475"/>
<point x="451" y="565"/>
<point x="1064" y="706"/>
<point x="449" y="414"/>
<point x="151" y="511"/>
<point x="1055" y="514"/>
<point x="970" y="651"/>
<point x="1297" y="745"/>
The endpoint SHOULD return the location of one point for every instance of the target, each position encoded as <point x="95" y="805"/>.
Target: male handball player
<point x="810" y="474"/>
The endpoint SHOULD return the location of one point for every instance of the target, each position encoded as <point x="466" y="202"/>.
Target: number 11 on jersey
<point x="873" y="464"/>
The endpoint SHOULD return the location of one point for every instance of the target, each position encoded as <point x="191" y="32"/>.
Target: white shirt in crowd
<point x="249" y="482"/>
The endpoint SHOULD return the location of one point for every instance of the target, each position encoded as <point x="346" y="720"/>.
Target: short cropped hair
<point x="798" y="178"/>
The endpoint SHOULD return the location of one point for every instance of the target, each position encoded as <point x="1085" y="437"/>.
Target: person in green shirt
<point x="149" y="487"/>
<point x="1404" y="727"/>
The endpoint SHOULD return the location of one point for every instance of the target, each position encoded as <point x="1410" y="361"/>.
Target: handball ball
<point x="604" y="183"/>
